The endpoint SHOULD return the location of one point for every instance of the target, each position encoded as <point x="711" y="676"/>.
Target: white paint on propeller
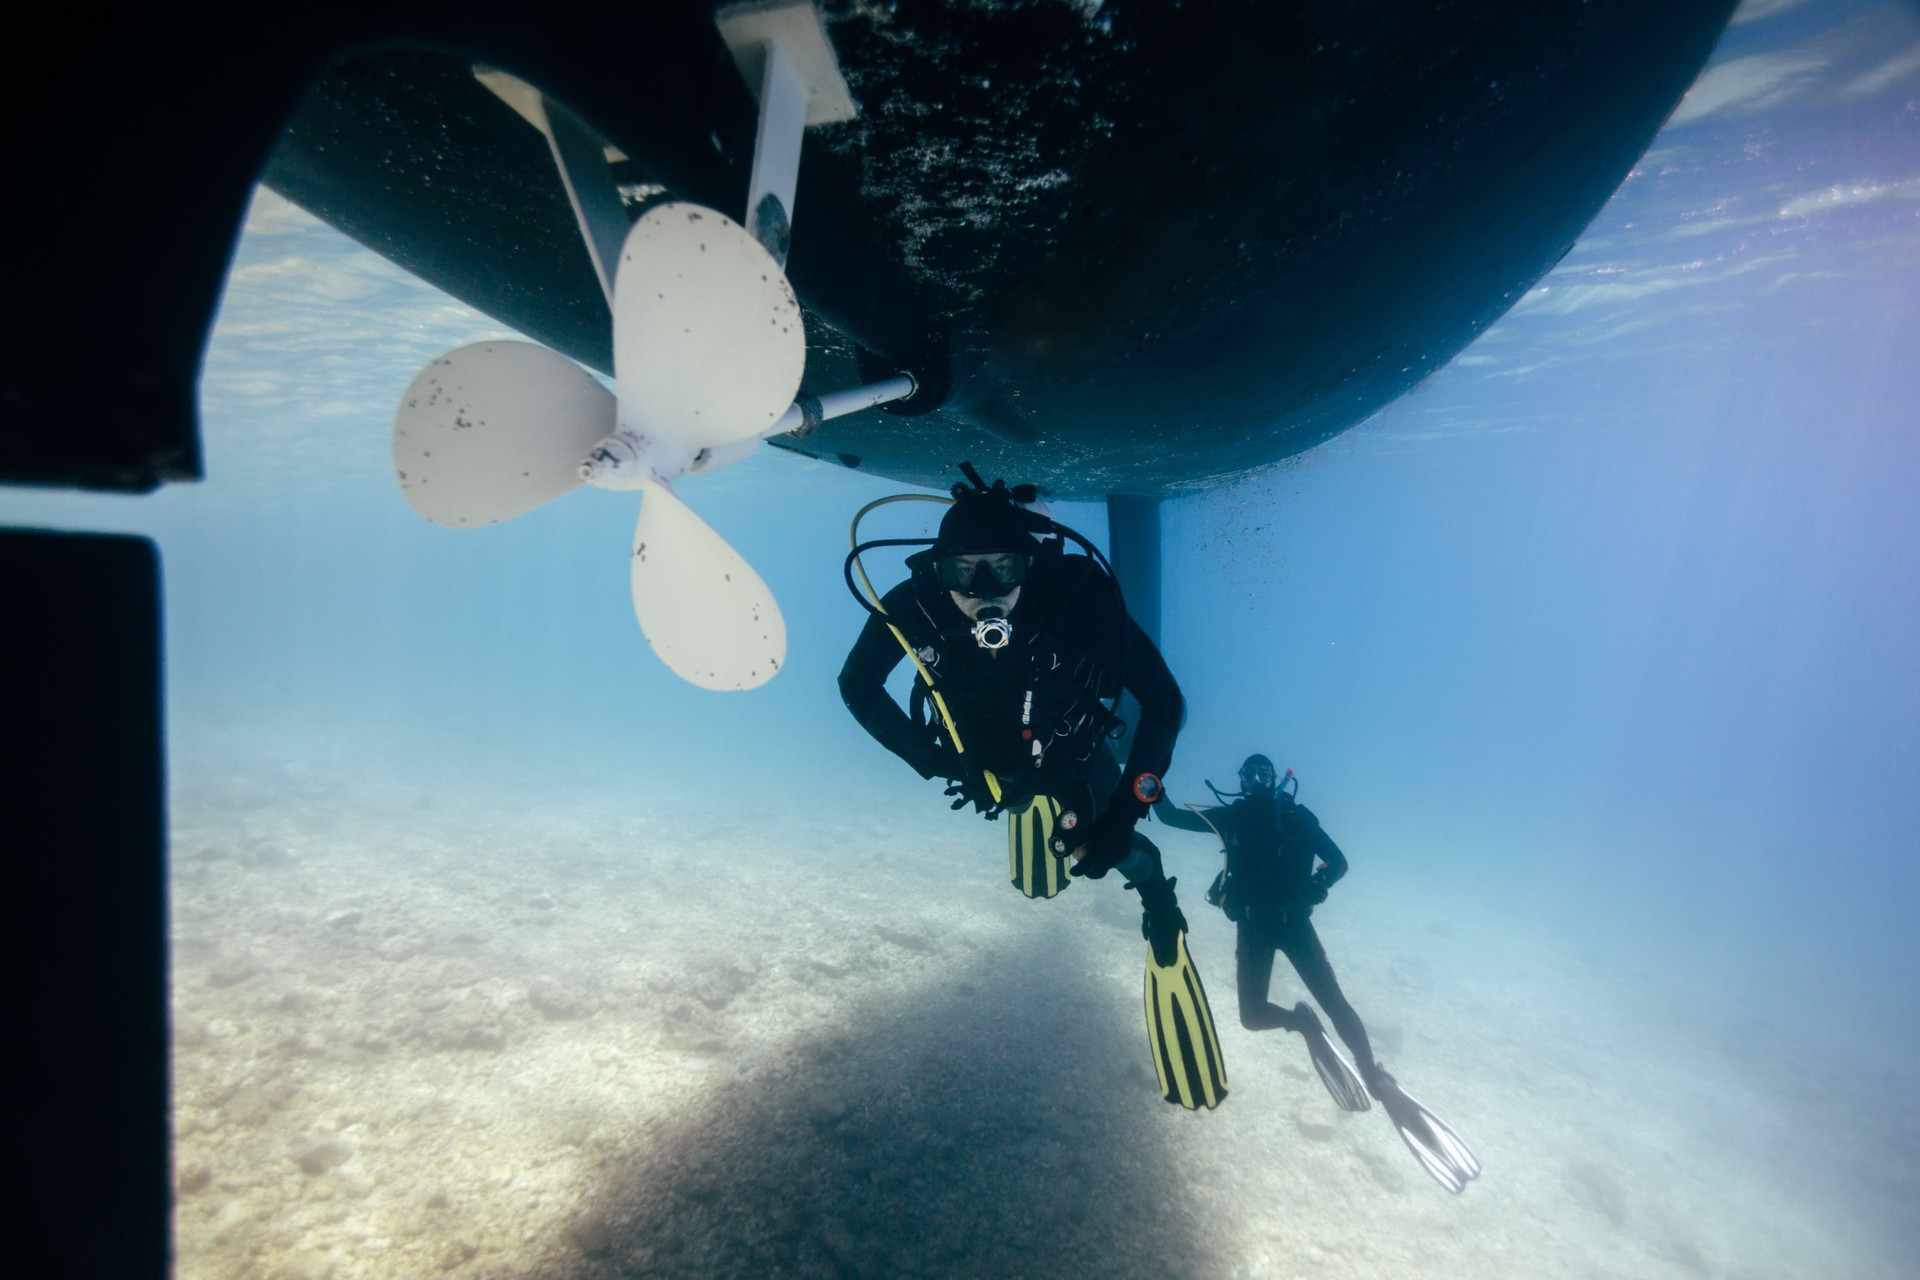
<point x="707" y="353"/>
<point x="703" y="608"/>
<point x="491" y="431"/>
<point x="707" y="342"/>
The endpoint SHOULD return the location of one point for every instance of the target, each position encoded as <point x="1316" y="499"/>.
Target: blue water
<point x="1596" y="654"/>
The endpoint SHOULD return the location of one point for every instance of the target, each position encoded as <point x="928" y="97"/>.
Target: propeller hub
<point x="625" y="460"/>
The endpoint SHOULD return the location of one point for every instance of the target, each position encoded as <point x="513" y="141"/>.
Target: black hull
<point x="1131" y="252"/>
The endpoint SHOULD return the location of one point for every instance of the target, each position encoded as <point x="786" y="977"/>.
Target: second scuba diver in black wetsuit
<point x="1021" y="651"/>
<point x="1280" y="865"/>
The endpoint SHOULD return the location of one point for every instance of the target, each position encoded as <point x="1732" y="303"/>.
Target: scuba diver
<point x="1021" y="651"/>
<point x="1280" y="865"/>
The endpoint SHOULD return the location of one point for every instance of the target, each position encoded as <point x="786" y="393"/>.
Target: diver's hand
<point x="1108" y="841"/>
<point x="1316" y="891"/>
<point x="972" y="791"/>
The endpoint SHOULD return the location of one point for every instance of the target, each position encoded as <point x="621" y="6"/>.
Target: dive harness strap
<point x="940" y="703"/>
<point x="946" y="716"/>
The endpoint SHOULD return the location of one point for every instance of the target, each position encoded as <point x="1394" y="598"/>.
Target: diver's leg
<point x="1163" y="920"/>
<point x="1302" y="946"/>
<point x="1141" y="866"/>
<point x="1440" y="1151"/>
<point x="1253" y="965"/>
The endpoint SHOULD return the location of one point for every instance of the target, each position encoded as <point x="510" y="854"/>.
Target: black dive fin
<point x="1438" y="1148"/>
<point x="1349" y="1091"/>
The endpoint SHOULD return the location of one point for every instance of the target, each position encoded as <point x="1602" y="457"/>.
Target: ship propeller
<point x="708" y="351"/>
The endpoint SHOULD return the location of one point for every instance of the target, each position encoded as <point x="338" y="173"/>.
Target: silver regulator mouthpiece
<point x="991" y="630"/>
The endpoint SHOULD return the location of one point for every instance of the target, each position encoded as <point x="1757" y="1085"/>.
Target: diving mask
<point x="986" y="575"/>
<point x="1260" y="777"/>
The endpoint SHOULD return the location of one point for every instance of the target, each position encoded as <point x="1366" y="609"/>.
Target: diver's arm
<point x="1323" y="848"/>
<point x="1162" y="709"/>
<point x="863" y="687"/>
<point x="1181" y="818"/>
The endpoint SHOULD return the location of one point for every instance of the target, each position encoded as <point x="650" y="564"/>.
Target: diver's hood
<point x="981" y="522"/>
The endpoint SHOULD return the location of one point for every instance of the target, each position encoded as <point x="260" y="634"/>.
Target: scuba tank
<point x="1226" y="892"/>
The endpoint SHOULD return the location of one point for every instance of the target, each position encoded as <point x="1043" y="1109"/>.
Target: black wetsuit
<point x="1035" y="713"/>
<point x="1277" y="858"/>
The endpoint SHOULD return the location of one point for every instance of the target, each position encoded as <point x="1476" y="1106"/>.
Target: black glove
<point x="1315" y="895"/>
<point x="1107" y="842"/>
<point x="973" y="791"/>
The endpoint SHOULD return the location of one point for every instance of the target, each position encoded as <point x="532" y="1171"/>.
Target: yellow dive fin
<point x="1186" y="1049"/>
<point x="1031" y="862"/>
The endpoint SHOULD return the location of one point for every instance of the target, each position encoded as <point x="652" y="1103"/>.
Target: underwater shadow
<point x="1013" y="1128"/>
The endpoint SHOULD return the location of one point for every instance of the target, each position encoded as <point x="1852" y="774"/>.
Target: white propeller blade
<point x="707" y="342"/>
<point x="703" y="609"/>
<point x="493" y="430"/>
<point x="707" y="352"/>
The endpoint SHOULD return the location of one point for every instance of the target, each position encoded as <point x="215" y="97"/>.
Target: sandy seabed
<point x="488" y="1028"/>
